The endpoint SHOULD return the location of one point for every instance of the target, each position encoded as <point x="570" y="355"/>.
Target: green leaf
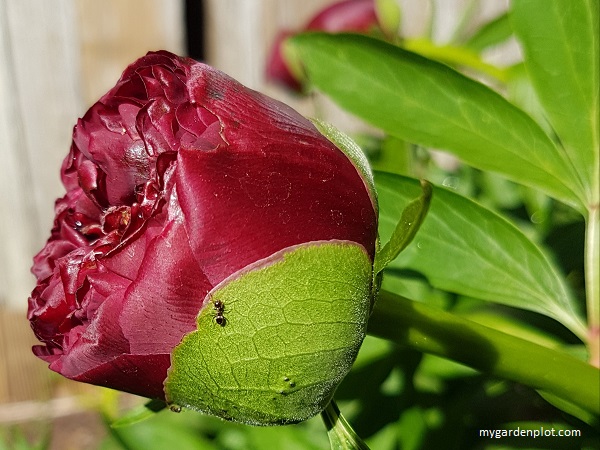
<point x="454" y="56"/>
<point x="520" y="92"/>
<point x="492" y="33"/>
<point x="406" y="228"/>
<point x="428" y="103"/>
<point x="139" y="413"/>
<point x="391" y="155"/>
<point x="290" y="330"/>
<point x="560" y="43"/>
<point x="288" y="438"/>
<point x="161" y="431"/>
<point x="467" y="249"/>
<point x="413" y="419"/>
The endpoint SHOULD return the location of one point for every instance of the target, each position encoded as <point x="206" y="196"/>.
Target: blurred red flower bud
<point x="358" y="16"/>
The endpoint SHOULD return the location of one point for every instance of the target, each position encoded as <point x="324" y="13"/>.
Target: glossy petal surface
<point x="177" y="178"/>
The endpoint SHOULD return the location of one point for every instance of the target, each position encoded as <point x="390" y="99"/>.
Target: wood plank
<point x="114" y="33"/>
<point x="22" y="375"/>
<point x="38" y="104"/>
<point x="239" y="33"/>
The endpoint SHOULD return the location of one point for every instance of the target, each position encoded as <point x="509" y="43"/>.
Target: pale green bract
<point x="292" y="327"/>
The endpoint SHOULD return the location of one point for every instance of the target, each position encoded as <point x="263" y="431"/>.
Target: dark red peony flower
<point x="178" y="179"/>
<point x="356" y="16"/>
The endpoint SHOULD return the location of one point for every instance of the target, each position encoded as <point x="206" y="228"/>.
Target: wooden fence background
<point x="56" y="58"/>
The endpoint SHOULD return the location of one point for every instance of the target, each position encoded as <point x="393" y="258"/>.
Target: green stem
<point x="592" y="282"/>
<point x="431" y="330"/>
<point x="341" y="434"/>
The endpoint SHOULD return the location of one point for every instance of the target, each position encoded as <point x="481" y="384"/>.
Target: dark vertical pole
<point x="194" y="28"/>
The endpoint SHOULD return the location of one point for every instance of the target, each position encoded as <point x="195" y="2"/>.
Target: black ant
<point x="220" y="309"/>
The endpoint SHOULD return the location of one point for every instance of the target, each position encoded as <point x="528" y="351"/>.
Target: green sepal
<point x="412" y="217"/>
<point x="290" y="328"/>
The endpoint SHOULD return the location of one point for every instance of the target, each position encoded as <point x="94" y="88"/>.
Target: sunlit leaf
<point x="465" y="248"/>
<point x="560" y="43"/>
<point x="490" y="34"/>
<point x="428" y="103"/>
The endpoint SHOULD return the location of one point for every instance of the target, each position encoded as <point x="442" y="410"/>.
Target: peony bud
<point x="358" y="16"/>
<point x="348" y="15"/>
<point x="213" y="249"/>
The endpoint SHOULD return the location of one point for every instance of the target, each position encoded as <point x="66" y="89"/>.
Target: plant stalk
<point x="341" y="435"/>
<point x="431" y="330"/>
<point x="592" y="282"/>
